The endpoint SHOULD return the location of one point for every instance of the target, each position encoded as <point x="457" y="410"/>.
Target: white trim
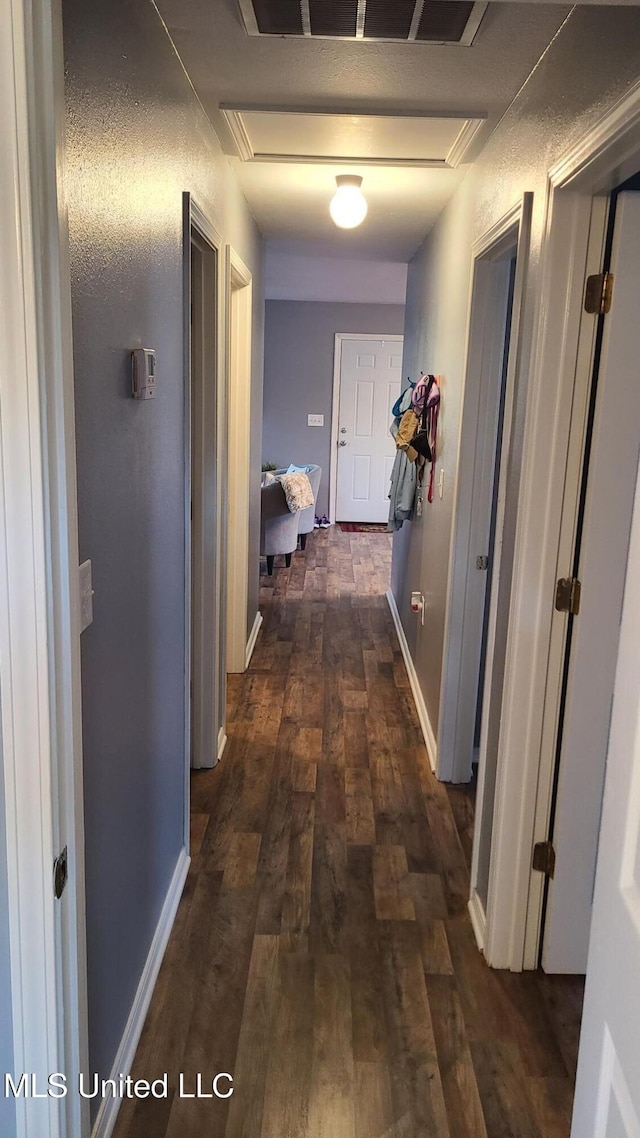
<point x="421" y="707"/>
<point x="590" y="158"/>
<point x="581" y="231"/>
<point x="608" y="154"/>
<point x="222" y="742"/>
<point x="109" y="1107"/>
<point x="235" y="121"/>
<point x="499" y="627"/>
<point x="361" y="111"/>
<point x="239" y="133"/>
<point x="492" y="239"/>
<point x="46" y="79"/>
<point x="238" y="339"/>
<point x="460" y="148"/>
<point x="195" y="222"/>
<point x="490" y="248"/>
<point x="38" y="586"/>
<point x="335" y="405"/>
<point x="349" y="160"/>
<point x="253" y="636"/>
<point x="478" y="920"/>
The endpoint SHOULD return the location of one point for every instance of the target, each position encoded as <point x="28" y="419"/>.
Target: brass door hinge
<point x="599" y="294"/>
<point x="544" y="858"/>
<point x="568" y="591"/>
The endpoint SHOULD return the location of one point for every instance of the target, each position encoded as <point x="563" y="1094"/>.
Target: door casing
<point x="205" y="412"/>
<point x="238" y="353"/>
<point x="483" y="372"/>
<point x="606" y="156"/>
<point x="39" y="595"/>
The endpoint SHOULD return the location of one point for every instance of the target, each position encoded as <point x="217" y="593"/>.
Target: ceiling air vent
<point x="387" y="21"/>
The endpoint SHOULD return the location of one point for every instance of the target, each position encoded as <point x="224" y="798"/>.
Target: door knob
<point x="342" y="443"/>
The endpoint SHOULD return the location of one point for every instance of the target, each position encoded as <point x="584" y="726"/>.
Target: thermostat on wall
<point x="143" y="373"/>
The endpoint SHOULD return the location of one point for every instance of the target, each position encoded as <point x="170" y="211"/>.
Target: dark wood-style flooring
<point x="322" y="952"/>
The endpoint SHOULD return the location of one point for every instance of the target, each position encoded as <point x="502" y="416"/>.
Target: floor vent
<point x="399" y="21"/>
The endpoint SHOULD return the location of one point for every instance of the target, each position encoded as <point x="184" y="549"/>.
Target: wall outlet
<point x="315" y="420"/>
<point x="417" y="604"/>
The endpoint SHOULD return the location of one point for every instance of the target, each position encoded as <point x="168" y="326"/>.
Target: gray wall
<point x="137" y="138"/>
<point x="593" y="61"/>
<point x="298" y="375"/>
<point x="7" y="1105"/>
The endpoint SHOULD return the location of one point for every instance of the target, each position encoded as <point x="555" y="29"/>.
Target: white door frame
<point x="339" y="339"/>
<point x="483" y="376"/>
<point x="610" y="407"/>
<point x="39" y="602"/>
<point x="211" y="729"/>
<point x="561" y="358"/>
<point x="511" y="234"/>
<point x="238" y="353"/>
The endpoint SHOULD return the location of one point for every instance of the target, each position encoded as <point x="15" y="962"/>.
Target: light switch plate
<point x="86" y="595"/>
<point x="315" y="420"/>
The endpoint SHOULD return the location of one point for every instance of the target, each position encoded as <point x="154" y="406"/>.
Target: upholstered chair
<point x="278" y="526"/>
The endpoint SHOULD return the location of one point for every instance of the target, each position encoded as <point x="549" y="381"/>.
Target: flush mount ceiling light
<point x="348" y="206"/>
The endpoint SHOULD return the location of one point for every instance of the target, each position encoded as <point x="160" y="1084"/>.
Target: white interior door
<point x="607" y="1102"/>
<point x="604" y="544"/>
<point x="370" y="381"/>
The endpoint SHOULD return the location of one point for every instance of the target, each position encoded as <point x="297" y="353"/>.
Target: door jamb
<point x="39" y="615"/>
<point x="513" y="230"/>
<point x="339" y="339"/>
<point x="605" y="157"/>
<point x="196" y="221"/>
<point x="238" y="337"/>
<point x="488" y="250"/>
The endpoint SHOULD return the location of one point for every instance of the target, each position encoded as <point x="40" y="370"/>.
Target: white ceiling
<point x="290" y="199"/>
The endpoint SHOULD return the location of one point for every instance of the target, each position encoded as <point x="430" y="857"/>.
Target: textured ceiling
<point x="227" y="66"/>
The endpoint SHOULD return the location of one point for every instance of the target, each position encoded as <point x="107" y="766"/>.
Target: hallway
<point x="322" y="952"/>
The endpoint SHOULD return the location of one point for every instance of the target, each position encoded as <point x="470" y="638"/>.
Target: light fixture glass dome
<point x="348" y="206"/>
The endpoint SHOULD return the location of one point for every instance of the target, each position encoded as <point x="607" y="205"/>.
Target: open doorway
<point x="484" y="530"/>
<point x="206" y="685"/>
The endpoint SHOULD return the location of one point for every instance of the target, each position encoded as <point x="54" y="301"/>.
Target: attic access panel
<point x="399" y="21"/>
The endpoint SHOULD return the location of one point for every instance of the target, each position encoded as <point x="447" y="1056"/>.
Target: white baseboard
<point x="222" y="742"/>
<point x="478" y="920"/>
<point x="421" y="707"/>
<point x="251" y="642"/>
<point x="109" y="1107"/>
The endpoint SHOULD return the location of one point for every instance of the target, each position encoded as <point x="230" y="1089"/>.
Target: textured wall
<point x="298" y="375"/>
<point x="593" y="60"/>
<point x="137" y="138"/>
<point x="7" y="1105"/>
<point x="294" y="276"/>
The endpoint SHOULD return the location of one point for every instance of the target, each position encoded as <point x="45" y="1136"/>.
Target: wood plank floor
<point x="322" y="952"/>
